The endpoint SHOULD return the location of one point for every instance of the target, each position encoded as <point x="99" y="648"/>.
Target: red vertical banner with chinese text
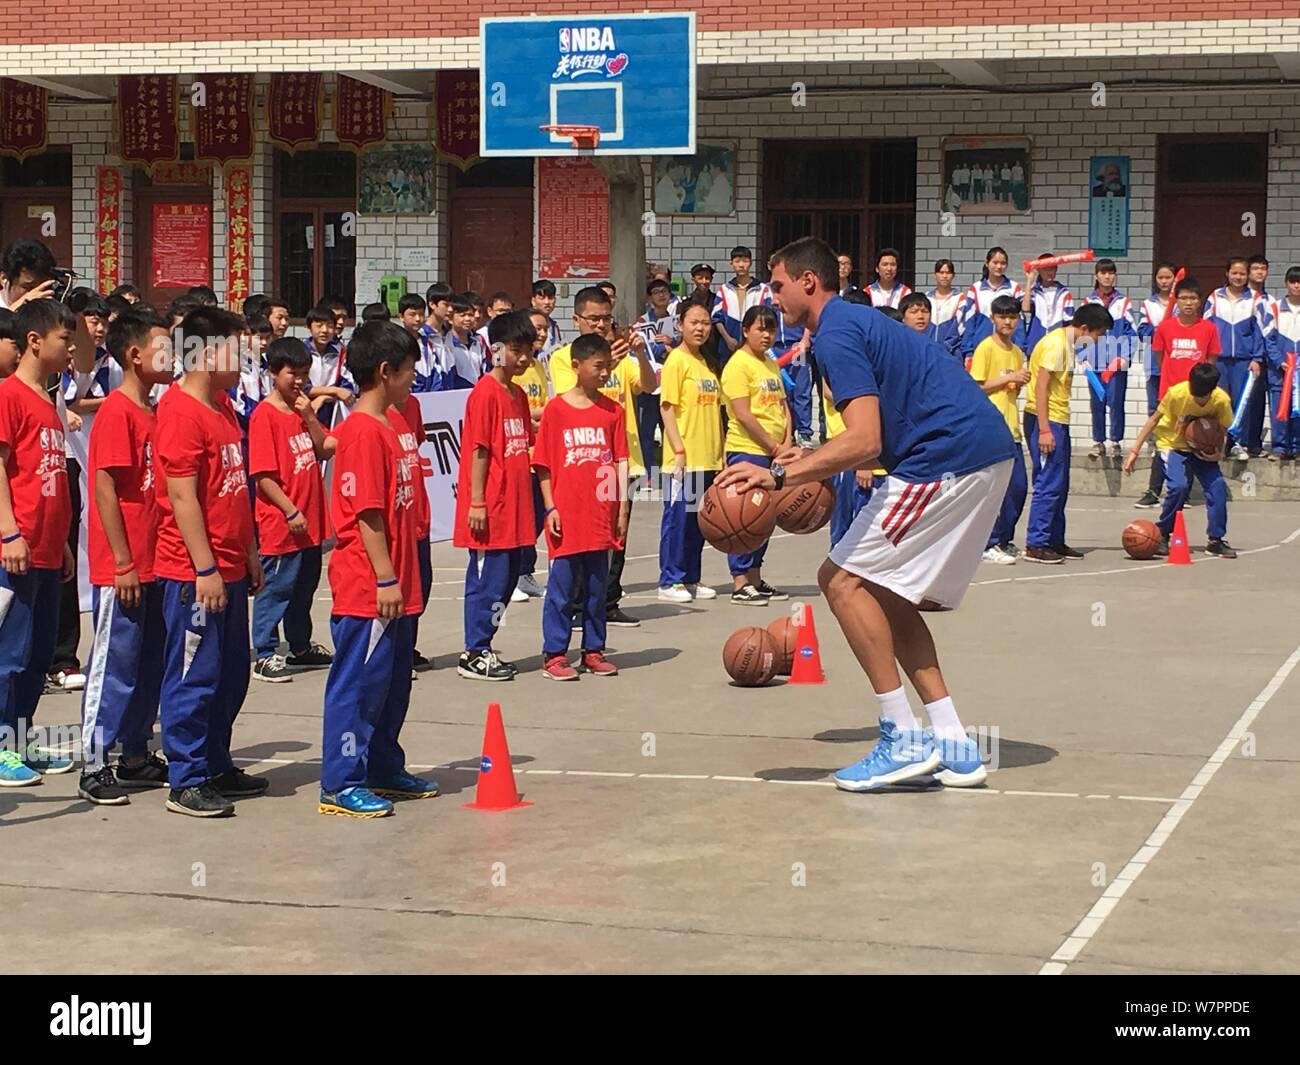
<point x="293" y="110"/>
<point x="455" y="133"/>
<point x="572" y="218"/>
<point x="239" y="235"/>
<point x="360" y="113"/>
<point x="148" y="118"/>
<point x="223" y="121"/>
<point x="23" y="119"/>
<point x="108" y="236"/>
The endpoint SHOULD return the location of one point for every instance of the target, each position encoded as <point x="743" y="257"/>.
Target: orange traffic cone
<point x="1179" y="553"/>
<point x="807" y="668"/>
<point x="496" y="776"/>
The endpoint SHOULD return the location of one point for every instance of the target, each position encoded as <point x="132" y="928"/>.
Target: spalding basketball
<point x="786" y="636"/>
<point x="734" y="521"/>
<point x="751" y="657"/>
<point x="805" y="508"/>
<point x="1141" y="539"/>
<point x="1204" y="436"/>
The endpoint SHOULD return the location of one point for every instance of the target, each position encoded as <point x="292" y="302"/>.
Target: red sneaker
<point x="556" y="667"/>
<point x="595" y="662"/>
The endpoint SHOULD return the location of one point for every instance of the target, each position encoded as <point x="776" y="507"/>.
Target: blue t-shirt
<point x="934" y="418"/>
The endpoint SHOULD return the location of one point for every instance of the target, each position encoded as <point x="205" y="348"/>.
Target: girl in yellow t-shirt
<point x="537" y="388"/>
<point x="689" y="397"/>
<point x="758" y="429"/>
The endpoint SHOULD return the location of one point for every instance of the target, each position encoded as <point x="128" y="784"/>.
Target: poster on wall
<point x="699" y="184"/>
<point x="986" y="175"/>
<point x="572" y="219"/>
<point x="182" y="245"/>
<point x="1108" y="205"/>
<point x="108" y="207"/>
<point x="397" y="179"/>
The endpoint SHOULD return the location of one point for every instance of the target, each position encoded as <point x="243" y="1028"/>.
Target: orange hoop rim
<point x="582" y="136"/>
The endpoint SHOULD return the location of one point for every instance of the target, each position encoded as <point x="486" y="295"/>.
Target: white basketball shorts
<point x="924" y="541"/>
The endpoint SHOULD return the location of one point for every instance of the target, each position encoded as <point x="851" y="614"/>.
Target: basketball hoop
<point x="585" y="138"/>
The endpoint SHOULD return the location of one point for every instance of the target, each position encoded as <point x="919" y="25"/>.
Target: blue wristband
<point x="206" y="572"/>
<point x="295" y="514"/>
<point x="549" y="512"/>
<point x="11" y="538"/>
<point x="386" y="584"/>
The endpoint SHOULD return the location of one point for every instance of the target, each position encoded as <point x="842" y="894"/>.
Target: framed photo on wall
<point x="699" y="184"/>
<point x="1108" y="180"/>
<point x="985" y="175"/>
<point x="397" y="179"/>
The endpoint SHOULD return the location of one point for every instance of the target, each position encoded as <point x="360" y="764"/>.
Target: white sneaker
<point x="70" y="681"/>
<point x="1238" y="452"/>
<point x="675" y="593"/>
<point x="1113" y="449"/>
<point x="998" y="557"/>
<point x="1011" y="549"/>
<point x="531" y="589"/>
<point x="518" y="595"/>
<point x="1095" y="452"/>
<point x="702" y="591"/>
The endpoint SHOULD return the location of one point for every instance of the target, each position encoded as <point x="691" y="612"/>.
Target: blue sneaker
<point x="47" y="764"/>
<point x="13" y="774"/>
<point x="404" y="786"/>
<point x="960" y="763"/>
<point x="897" y="757"/>
<point x="354" y="802"/>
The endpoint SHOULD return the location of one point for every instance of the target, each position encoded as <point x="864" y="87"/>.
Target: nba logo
<point x="564" y="39"/>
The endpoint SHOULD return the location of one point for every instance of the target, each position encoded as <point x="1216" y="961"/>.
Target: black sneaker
<point x="1220" y="549"/>
<point x="151" y="773"/>
<point x="1044" y="555"/>
<point x="748" y="595"/>
<point x="201" y="800"/>
<point x="775" y="594"/>
<point x="315" y="655"/>
<point x="1163" y="550"/>
<point x="1066" y="551"/>
<point x="102" y="788"/>
<point x="1149" y="499"/>
<point x="236" y="784"/>
<point x="273" y="670"/>
<point x="483" y="665"/>
<point x="419" y="661"/>
<point x="620" y="619"/>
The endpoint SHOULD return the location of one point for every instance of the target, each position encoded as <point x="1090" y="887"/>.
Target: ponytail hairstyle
<point x="709" y="349"/>
<point x="1164" y="264"/>
<point x="992" y="252"/>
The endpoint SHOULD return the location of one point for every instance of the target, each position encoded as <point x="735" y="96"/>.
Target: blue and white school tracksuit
<point x="1050" y="476"/>
<point x="1242" y="325"/>
<point x="649" y="419"/>
<point x="1283" y="340"/>
<point x="490" y="580"/>
<point x="205" y="679"/>
<point x="798" y="373"/>
<point x="850" y="497"/>
<point x="1151" y="314"/>
<point x="367" y="694"/>
<point x="729" y="309"/>
<point x="29" y="628"/>
<point x="124" y="675"/>
<point x="681" y="544"/>
<point x="287" y="595"/>
<point x="943" y="319"/>
<point x="738" y="565"/>
<point x="1117" y="343"/>
<point x="891" y="298"/>
<point x="576" y="582"/>
<point x="974" y="310"/>
<point x="1013" y="504"/>
<point x="1180" y="467"/>
<point x="1053" y="307"/>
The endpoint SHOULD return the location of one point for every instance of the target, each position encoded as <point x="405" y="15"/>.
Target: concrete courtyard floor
<point x="683" y="824"/>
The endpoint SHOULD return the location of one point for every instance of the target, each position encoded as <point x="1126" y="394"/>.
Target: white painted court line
<point x="1092" y="921"/>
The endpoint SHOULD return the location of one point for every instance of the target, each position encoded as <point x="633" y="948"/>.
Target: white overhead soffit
<point x="939" y="44"/>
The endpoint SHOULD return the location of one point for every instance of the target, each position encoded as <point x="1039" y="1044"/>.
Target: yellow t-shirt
<point x="623" y="385"/>
<point x="1052" y="355"/>
<point x="835" y="426"/>
<point x="533" y="382"/>
<point x="992" y="360"/>
<point x="757" y="379"/>
<point x="1179" y="403"/>
<point x="692" y="389"/>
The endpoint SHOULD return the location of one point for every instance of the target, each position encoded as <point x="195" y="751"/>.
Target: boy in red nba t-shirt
<point x="375" y="581"/>
<point x="35" y="515"/>
<point x="124" y="675"/>
<point x="207" y="565"/>
<point x="285" y="440"/>
<point x="1185" y="338"/>
<point x="581" y="460"/>
<point x="494" y="496"/>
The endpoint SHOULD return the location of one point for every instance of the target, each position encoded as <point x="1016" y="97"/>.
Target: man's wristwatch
<point x="778" y="476"/>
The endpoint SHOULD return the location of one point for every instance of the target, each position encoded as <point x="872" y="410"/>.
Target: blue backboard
<point x="631" y="75"/>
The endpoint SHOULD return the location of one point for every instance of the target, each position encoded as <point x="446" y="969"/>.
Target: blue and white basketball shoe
<point x="899" y="756"/>
<point x="960" y="763"/>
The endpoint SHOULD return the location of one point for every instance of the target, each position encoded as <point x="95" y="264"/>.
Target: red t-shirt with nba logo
<point x="122" y="441"/>
<point x="37" y="469"/>
<point x="279" y="444"/>
<point x="371" y="472"/>
<point x="497" y="419"/>
<point x="409" y="426"/>
<point x="582" y="447"/>
<point x="194" y="440"/>
<point x="1181" y="347"/>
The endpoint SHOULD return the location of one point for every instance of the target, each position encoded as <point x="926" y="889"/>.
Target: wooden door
<point x="492" y="241"/>
<point x="22" y="214"/>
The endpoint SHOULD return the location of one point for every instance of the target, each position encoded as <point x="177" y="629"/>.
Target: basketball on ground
<point x="805" y="508"/>
<point x="1205" y="436"/>
<point x="751" y="657"/>
<point x="785" y="634"/>
<point x="1141" y="539"/>
<point x="734" y="521"/>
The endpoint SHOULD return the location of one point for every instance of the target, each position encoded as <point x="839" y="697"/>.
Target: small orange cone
<point x="807" y="668"/>
<point x="496" y="776"/>
<point x="1179" y="553"/>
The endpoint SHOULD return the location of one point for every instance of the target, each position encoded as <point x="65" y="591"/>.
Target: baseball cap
<point x="702" y="268"/>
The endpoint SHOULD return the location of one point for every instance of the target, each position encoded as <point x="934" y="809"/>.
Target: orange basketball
<point x="805" y="508"/>
<point x="1141" y="539"/>
<point x="751" y="657"/>
<point x="737" y="522"/>
<point x="786" y="636"/>
<point x="1204" y="435"/>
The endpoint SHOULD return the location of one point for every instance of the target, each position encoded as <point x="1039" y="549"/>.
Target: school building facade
<point x="849" y="122"/>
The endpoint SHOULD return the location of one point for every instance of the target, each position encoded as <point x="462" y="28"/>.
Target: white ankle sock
<point x="944" y="720"/>
<point x="894" y="708"/>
